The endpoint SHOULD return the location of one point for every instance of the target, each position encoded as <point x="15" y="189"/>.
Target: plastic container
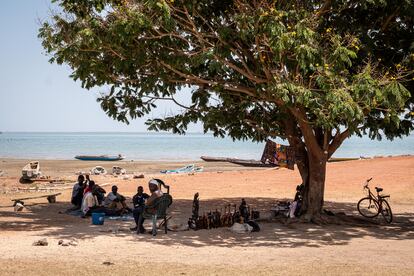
<point x="98" y="218"/>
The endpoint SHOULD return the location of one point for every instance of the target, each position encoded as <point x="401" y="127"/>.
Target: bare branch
<point x="195" y="80"/>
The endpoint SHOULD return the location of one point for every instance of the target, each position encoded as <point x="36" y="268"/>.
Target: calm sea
<point x="164" y="146"/>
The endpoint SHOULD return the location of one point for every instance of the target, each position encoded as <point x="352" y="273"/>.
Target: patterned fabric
<point x="283" y="156"/>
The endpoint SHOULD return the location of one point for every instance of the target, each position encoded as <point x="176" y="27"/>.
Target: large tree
<point x="312" y="72"/>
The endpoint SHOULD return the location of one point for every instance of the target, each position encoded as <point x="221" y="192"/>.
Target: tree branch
<point x="307" y="132"/>
<point x="194" y="80"/>
<point x="337" y="141"/>
<point x="389" y="18"/>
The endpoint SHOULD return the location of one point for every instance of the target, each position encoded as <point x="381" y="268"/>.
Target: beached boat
<point x="98" y="170"/>
<point x="250" y="163"/>
<point x="31" y="170"/>
<point x="215" y="159"/>
<point x="341" y="159"/>
<point x="100" y="157"/>
<point x="187" y="169"/>
<point x="242" y="162"/>
<point x="116" y="170"/>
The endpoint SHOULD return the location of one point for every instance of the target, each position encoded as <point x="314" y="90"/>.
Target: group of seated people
<point x="90" y="198"/>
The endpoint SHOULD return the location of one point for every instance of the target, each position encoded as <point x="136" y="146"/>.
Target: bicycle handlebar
<point x="366" y="184"/>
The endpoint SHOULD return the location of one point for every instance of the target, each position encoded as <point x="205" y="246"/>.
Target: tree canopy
<point x="312" y="72"/>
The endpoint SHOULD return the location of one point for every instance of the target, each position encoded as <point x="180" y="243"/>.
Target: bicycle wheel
<point x="368" y="207"/>
<point x="386" y="211"/>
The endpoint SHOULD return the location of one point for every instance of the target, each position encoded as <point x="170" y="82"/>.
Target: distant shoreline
<point x="167" y="147"/>
<point x="5" y="158"/>
<point x="13" y="166"/>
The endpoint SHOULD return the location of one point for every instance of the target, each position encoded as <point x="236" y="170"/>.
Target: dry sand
<point x="280" y="248"/>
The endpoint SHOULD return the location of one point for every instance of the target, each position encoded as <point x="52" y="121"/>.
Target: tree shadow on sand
<point x="51" y="220"/>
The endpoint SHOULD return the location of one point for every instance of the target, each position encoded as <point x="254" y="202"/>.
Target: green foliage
<point x="251" y="67"/>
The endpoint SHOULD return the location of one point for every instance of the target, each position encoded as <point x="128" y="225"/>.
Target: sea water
<point x="167" y="147"/>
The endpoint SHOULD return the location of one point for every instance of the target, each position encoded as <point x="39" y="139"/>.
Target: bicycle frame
<point x="378" y="199"/>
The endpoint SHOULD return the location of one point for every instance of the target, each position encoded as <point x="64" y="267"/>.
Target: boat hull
<point x="241" y="162"/>
<point x="99" y="158"/>
<point x="31" y="170"/>
<point x="251" y="163"/>
<point x="215" y="159"/>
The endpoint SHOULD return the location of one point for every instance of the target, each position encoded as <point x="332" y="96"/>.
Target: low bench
<point x="50" y="198"/>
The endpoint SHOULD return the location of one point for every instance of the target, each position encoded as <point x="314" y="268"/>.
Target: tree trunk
<point x="302" y="163"/>
<point x="315" y="188"/>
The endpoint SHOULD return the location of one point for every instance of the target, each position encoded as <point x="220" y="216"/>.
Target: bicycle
<point x="371" y="206"/>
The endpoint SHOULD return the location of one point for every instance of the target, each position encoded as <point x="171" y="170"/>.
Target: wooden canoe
<point x="341" y="159"/>
<point x="250" y="163"/>
<point x="215" y="159"/>
<point x="99" y="157"/>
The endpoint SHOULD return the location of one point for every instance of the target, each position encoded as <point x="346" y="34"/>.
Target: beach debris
<point x="56" y="181"/>
<point x="18" y="207"/>
<point x="108" y="263"/>
<point x="327" y="237"/>
<point x="42" y="189"/>
<point x="68" y="243"/>
<point x="186" y="169"/>
<point x="82" y="173"/>
<point x="98" y="170"/>
<point x="41" y="242"/>
<point x="136" y="176"/>
<point x="31" y="170"/>
<point x="178" y="227"/>
<point x="115" y="229"/>
<point x="2" y="173"/>
<point x="116" y="170"/>
<point x="126" y="177"/>
<point x="241" y="228"/>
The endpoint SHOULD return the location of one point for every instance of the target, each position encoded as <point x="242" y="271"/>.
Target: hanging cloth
<point x="283" y="156"/>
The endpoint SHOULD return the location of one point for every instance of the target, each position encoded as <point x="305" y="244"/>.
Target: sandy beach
<point x="281" y="247"/>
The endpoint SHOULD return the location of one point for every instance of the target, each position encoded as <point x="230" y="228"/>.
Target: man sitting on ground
<point x="116" y="202"/>
<point x="155" y="194"/>
<point x="77" y="193"/>
<point x="139" y="203"/>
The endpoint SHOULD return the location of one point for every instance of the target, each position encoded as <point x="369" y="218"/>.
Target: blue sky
<point x="38" y="96"/>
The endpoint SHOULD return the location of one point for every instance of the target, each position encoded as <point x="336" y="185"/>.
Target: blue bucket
<point x="98" y="218"/>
